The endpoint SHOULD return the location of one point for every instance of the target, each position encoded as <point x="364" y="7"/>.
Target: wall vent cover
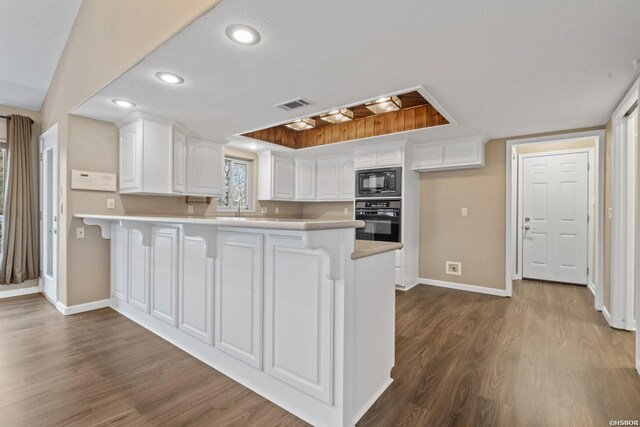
<point x="293" y="104"/>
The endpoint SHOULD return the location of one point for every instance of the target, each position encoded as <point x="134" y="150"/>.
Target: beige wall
<point x="327" y="210"/>
<point x="35" y="131"/>
<point x="477" y="240"/>
<point x="108" y="38"/>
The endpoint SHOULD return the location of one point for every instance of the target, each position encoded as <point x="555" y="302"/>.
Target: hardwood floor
<point x="543" y="357"/>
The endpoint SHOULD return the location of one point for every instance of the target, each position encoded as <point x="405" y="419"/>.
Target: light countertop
<point x="230" y="221"/>
<point x="365" y="248"/>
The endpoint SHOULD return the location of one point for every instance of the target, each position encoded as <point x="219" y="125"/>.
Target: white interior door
<point x="555" y="239"/>
<point x="49" y="212"/>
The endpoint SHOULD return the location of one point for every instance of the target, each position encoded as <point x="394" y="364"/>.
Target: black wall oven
<point x="379" y="182"/>
<point x="381" y="220"/>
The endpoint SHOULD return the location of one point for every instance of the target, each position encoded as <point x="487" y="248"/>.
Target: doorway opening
<point x="49" y="207"/>
<point x="555" y="202"/>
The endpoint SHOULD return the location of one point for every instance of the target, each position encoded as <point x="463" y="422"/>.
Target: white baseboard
<point x="405" y="288"/>
<point x="81" y="308"/>
<point x="19" y="292"/>
<point x="592" y="288"/>
<point x="363" y="410"/>
<point x="606" y="315"/>
<point x="464" y="287"/>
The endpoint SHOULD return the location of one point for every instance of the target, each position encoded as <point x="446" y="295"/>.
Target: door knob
<point x="526" y="227"/>
<point x="527" y="219"/>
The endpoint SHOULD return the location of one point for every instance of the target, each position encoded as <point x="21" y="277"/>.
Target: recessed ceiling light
<point x="302" y="124"/>
<point x="170" y="78"/>
<point x="243" y="34"/>
<point x="382" y="105"/>
<point x="338" y="116"/>
<point x="123" y="103"/>
<point x="253" y="146"/>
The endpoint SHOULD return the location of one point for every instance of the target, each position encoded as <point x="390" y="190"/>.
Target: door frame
<point x="591" y="192"/>
<point x="511" y="160"/>
<point x="624" y="247"/>
<point x="53" y="130"/>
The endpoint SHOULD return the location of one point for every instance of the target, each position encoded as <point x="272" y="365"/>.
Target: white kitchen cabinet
<point x="305" y="179"/>
<point x="238" y="300"/>
<point x="160" y="158"/>
<point x="138" y="274"/>
<point x="329" y="179"/>
<point x="298" y="313"/>
<point x="164" y="273"/>
<point x="458" y="154"/>
<point x="383" y="156"/>
<point x="195" y="299"/>
<point x="119" y="262"/>
<point x="347" y="179"/>
<point x="179" y="160"/>
<point x="131" y="157"/>
<point x="205" y="165"/>
<point x="276" y="176"/>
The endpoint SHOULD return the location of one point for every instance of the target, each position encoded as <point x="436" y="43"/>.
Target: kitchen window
<point x="237" y="185"/>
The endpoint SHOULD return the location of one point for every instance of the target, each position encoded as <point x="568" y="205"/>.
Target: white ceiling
<point x="32" y="37"/>
<point x="498" y="67"/>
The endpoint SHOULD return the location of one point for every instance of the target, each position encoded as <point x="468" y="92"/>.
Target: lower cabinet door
<point x="164" y="273"/>
<point x="196" y="289"/>
<point x="119" y="262"/>
<point x="139" y="262"/>
<point x="238" y="299"/>
<point x="298" y="317"/>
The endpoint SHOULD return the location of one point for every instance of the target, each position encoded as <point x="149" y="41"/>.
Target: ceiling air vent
<point x="293" y="104"/>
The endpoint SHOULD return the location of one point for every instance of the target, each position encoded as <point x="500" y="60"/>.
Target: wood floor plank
<point x="542" y="358"/>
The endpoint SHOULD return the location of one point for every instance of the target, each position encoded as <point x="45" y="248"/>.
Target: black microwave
<point x="385" y="182"/>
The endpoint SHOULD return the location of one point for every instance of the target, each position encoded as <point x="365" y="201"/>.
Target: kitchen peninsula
<point x="296" y="310"/>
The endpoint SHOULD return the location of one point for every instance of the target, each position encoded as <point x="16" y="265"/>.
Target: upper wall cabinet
<point x="458" y="154"/>
<point x="276" y="176"/>
<point x="160" y="158"/>
<point x="380" y="156"/>
<point x="305" y="179"/>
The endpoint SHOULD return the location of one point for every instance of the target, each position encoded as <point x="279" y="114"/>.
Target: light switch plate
<point x="264" y="210"/>
<point x="80" y="233"/>
<point x="346" y="211"/>
<point x="190" y="209"/>
<point x="111" y="203"/>
<point x="464" y="212"/>
<point x="277" y="210"/>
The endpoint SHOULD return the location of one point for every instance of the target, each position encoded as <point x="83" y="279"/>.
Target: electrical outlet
<point x="454" y="267"/>
<point x="277" y="210"/>
<point x="190" y="209"/>
<point x="346" y="211"/>
<point x="464" y="212"/>
<point x="263" y="210"/>
<point x="610" y="213"/>
<point x="111" y="203"/>
<point x="80" y="233"/>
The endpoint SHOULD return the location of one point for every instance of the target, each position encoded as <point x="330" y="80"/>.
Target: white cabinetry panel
<point x="305" y="179"/>
<point x="283" y="183"/>
<point x="179" y="161"/>
<point x="196" y="289"/>
<point x="239" y="296"/>
<point x="390" y="156"/>
<point x="139" y="261"/>
<point x="164" y="273"/>
<point x="381" y="156"/>
<point x="328" y="179"/>
<point x="459" y="154"/>
<point x="366" y="159"/>
<point x="205" y="163"/>
<point x="298" y="313"/>
<point x="131" y="157"/>
<point x="119" y="262"/>
<point x="347" y="179"/>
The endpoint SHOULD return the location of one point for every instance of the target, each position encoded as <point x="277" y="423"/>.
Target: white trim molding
<point x="464" y="287"/>
<point x="606" y="315"/>
<point x="10" y="293"/>
<point x="623" y="243"/>
<point x="81" y="308"/>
